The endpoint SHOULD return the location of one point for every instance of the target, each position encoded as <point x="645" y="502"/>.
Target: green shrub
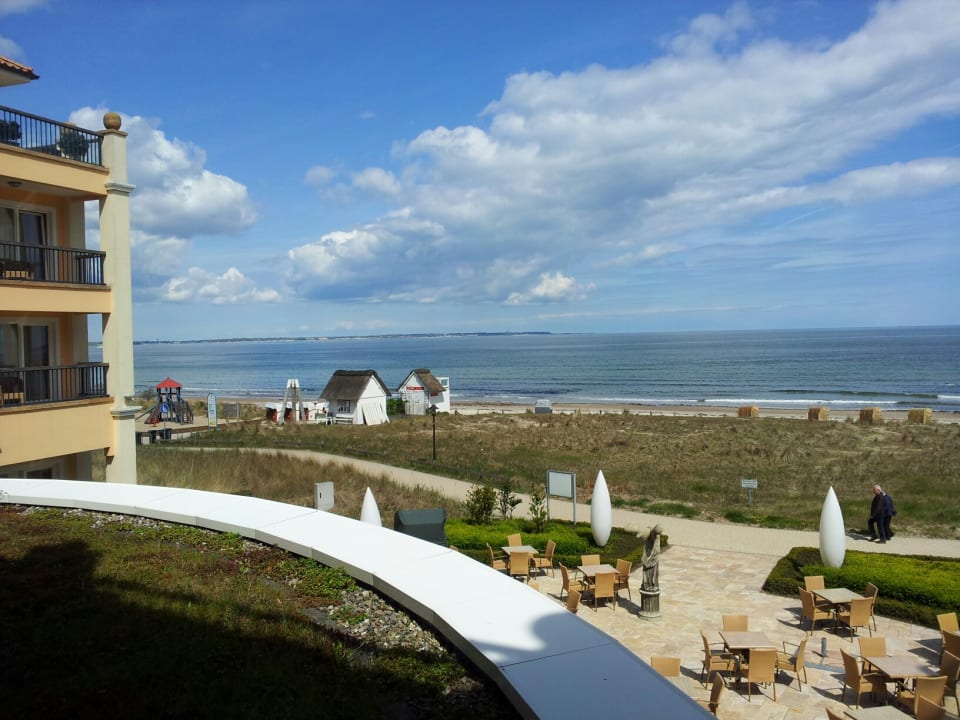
<point x="538" y="510"/>
<point x="479" y="505"/>
<point x="915" y="588"/>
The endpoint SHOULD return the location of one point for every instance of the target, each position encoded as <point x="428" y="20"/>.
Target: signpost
<point x="562" y="484"/>
<point x="212" y="411"/>
<point x="751" y="485"/>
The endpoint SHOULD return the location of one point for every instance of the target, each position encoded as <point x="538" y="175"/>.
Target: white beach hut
<point x="357" y="396"/>
<point x="421" y="389"/>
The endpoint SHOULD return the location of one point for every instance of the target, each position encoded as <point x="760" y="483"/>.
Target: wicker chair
<point x="735" y="623"/>
<point x="950" y="668"/>
<point x="927" y="710"/>
<point x="793" y="662"/>
<point x="545" y="562"/>
<point x="623" y="577"/>
<point x="573" y="601"/>
<point x="666" y="666"/>
<point x="569" y="585"/>
<point x="715" y="660"/>
<point x="716" y="691"/>
<point x="872" y="592"/>
<point x="858" y="616"/>
<point x="875" y="646"/>
<point x="762" y="668"/>
<point x="813" y="582"/>
<point x="497" y="562"/>
<point x="514" y="540"/>
<point x="520" y="565"/>
<point x="811" y="611"/>
<point x="928" y="688"/>
<point x="602" y="587"/>
<point x="858" y="680"/>
<point x="947" y="624"/>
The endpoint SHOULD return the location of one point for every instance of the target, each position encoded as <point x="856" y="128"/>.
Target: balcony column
<point x="118" y="324"/>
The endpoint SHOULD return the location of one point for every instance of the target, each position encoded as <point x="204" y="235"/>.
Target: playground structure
<point x="170" y="406"/>
<point x="294" y="408"/>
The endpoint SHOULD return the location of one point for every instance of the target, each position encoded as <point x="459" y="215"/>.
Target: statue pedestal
<point x="649" y="604"/>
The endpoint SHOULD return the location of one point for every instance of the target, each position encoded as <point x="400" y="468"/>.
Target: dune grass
<point x="690" y="466"/>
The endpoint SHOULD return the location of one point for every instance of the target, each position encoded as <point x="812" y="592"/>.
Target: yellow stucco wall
<point x="86" y="181"/>
<point x="35" y="432"/>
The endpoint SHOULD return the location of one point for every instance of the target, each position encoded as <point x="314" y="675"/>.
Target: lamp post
<point x="433" y="413"/>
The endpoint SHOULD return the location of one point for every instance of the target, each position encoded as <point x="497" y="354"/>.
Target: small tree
<point x="479" y="505"/>
<point x="73" y="144"/>
<point x="506" y="500"/>
<point x="9" y="132"/>
<point x="538" y="511"/>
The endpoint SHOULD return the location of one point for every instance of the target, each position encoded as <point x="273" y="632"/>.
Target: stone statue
<point x="650" y="562"/>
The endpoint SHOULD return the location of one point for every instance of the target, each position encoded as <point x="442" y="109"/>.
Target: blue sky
<point x="355" y="168"/>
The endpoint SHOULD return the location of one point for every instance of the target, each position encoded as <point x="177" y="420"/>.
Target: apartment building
<point x="63" y="402"/>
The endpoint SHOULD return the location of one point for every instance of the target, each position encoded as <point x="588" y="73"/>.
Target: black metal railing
<point x="65" y="383"/>
<point x="41" y="134"/>
<point x="46" y="263"/>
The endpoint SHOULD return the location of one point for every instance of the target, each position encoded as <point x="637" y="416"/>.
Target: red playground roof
<point x="168" y="384"/>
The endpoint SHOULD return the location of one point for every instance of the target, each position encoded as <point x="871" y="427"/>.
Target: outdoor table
<point x="880" y="712"/>
<point x="590" y="570"/>
<point x="739" y="640"/>
<point x="509" y="549"/>
<point x="902" y="667"/>
<point x="838" y="596"/>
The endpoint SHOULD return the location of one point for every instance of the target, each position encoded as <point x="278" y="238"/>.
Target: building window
<point x="343" y="406"/>
<point x="23" y="234"/>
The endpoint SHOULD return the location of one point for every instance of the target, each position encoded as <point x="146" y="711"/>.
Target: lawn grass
<point x="690" y="466"/>
<point x="112" y="617"/>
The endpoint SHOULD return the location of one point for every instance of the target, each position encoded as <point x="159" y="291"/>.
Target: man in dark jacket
<point x="890" y="511"/>
<point x="877" y="524"/>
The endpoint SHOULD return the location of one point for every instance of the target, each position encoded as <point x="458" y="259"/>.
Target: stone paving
<point x="697" y="587"/>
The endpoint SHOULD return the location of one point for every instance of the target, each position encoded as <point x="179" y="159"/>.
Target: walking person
<point x="877" y="524"/>
<point x="890" y="511"/>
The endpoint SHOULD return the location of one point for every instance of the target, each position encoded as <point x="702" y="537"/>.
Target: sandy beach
<point x="467" y="407"/>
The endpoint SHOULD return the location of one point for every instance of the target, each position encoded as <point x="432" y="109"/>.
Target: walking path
<point x="725" y="537"/>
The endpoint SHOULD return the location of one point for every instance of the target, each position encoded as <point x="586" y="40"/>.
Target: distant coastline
<point x="322" y="338"/>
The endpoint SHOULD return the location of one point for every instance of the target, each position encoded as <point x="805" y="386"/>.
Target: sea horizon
<point x="843" y="368"/>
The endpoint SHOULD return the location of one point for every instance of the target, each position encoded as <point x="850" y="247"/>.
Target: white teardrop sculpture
<point x="833" y="535"/>
<point x="369" y="512"/>
<point x="601" y="512"/>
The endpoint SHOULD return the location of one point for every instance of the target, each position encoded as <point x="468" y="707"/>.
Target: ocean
<point x="893" y="368"/>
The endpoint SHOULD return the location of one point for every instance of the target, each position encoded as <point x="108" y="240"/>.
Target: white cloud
<point x="320" y="175"/>
<point x="176" y="194"/>
<point x="11" y="7"/>
<point x="377" y="180"/>
<point x="198" y="285"/>
<point x="552" y="287"/>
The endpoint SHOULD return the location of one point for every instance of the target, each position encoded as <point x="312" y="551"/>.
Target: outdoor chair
<point x="545" y="562"/>
<point x="927" y="710"/>
<point x="520" y="565"/>
<point x="666" y="666"/>
<point x="950" y="668"/>
<point x="497" y="562"/>
<point x="735" y="623"/>
<point x="603" y="588"/>
<point x="569" y="585"/>
<point x="928" y="688"/>
<point x="761" y="668"/>
<point x="514" y="540"/>
<point x="809" y="610"/>
<point x="858" y="616"/>
<point x="872" y="592"/>
<point x="589" y="559"/>
<point x="947" y="622"/>
<point x="951" y="643"/>
<point x="859" y="681"/>
<point x="623" y="577"/>
<point x="573" y="601"/>
<point x="716" y="691"/>
<point x="715" y="660"/>
<point x="793" y="662"/>
<point x="875" y="646"/>
<point x="813" y="582"/>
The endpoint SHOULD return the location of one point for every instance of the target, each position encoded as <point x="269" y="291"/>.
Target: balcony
<point x="32" y="132"/>
<point x="38" y="385"/>
<point x="42" y="263"/>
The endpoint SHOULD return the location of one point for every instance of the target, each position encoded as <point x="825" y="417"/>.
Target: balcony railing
<point x="47" y="263"/>
<point x="40" y="134"/>
<point x="66" y="383"/>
